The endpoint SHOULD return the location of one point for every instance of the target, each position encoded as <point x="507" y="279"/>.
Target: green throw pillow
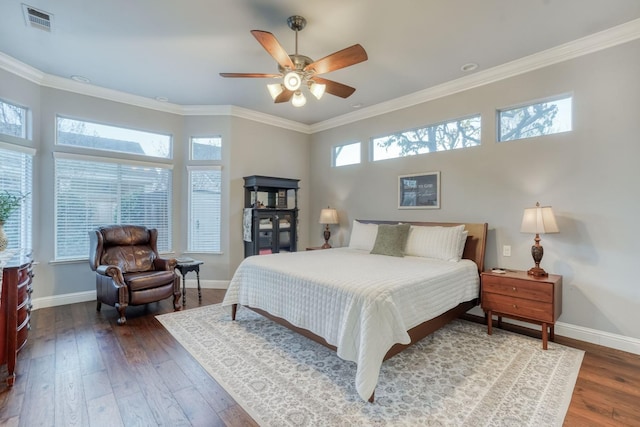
<point x="391" y="239"/>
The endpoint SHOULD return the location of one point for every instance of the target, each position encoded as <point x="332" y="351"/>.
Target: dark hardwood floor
<point x="80" y="369"/>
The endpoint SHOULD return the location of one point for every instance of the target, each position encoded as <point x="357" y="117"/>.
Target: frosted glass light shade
<point x="275" y="89"/>
<point x="298" y="99"/>
<point x="317" y="89"/>
<point x="292" y="80"/>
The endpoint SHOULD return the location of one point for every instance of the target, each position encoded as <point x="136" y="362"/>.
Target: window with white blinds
<point x="91" y="192"/>
<point x="16" y="178"/>
<point x="205" y="184"/>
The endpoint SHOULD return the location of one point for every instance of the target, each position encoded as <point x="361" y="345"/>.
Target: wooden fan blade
<point x="335" y="88"/>
<point x="271" y="45"/>
<point x="284" y="96"/>
<point x="257" y="75"/>
<point x="343" y="58"/>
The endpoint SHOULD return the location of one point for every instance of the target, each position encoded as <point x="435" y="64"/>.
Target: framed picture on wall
<point x="419" y="191"/>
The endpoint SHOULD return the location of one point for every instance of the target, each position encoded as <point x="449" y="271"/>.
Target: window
<point x="347" y="154"/>
<point x="91" y="192"/>
<point x="444" y="136"/>
<point x="16" y="177"/>
<point x="206" y="148"/>
<point x="13" y="120"/>
<point x="205" y="184"/>
<point x="112" y="138"/>
<point x="544" y="118"/>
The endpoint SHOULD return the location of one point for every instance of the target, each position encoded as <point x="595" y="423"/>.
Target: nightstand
<point x="517" y="295"/>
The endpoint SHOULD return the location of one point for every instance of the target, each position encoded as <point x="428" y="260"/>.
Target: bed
<point x="368" y="303"/>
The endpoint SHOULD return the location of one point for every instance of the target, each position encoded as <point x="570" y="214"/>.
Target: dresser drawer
<point x="536" y="291"/>
<point x="520" y="307"/>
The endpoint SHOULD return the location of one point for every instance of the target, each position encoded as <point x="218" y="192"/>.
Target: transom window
<point x="346" y="154"/>
<point x="117" y="139"/>
<point x="206" y="148"/>
<point x="443" y="136"/>
<point x="542" y="118"/>
<point x="13" y="120"/>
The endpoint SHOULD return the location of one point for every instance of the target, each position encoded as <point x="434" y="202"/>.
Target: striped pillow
<point x="436" y="242"/>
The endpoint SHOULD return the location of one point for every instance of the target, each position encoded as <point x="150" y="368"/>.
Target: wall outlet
<point x="506" y="250"/>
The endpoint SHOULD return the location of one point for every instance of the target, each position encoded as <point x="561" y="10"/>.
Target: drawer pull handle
<point x="515" y="306"/>
<point x="514" y="289"/>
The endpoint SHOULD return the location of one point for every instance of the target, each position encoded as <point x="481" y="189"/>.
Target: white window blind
<point x="16" y="177"/>
<point x="205" y="184"/>
<point x="93" y="192"/>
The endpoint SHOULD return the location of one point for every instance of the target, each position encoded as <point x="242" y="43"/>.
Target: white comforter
<point x="361" y="303"/>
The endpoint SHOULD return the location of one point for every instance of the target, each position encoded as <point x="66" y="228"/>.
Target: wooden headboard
<point x="476" y="240"/>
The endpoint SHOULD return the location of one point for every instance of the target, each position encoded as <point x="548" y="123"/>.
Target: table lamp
<point x="328" y="216"/>
<point x="538" y="220"/>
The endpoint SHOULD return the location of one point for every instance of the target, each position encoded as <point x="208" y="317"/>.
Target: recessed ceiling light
<point x="469" y="67"/>
<point x="80" y="79"/>
<point x="358" y="105"/>
<point x="162" y="99"/>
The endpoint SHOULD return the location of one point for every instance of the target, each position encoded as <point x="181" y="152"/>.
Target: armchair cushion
<point x="147" y="279"/>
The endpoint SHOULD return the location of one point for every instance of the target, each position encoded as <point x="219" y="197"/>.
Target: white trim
<point x="98" y="159"/>
<point x="593" y="43"/>
<point x="204" y="167"/>
<point x="19" y="148"/>
<point x="76" y="297"/>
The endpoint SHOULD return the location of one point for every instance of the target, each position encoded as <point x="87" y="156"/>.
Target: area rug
<point x="458" y="376"/>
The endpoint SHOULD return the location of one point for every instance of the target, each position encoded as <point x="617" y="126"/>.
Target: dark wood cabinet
<point x="15" y="310"/>
<point x="519" y="296"/>
<point x="271" y="215"/>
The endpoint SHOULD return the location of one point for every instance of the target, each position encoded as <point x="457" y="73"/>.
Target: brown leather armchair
<point x="128" y="268"/>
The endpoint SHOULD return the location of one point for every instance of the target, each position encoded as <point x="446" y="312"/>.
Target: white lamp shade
<point x="298" y="99"/>
<point x="275" y="89"/>
<point x="539" y="220"/>
<point x="292" y="80"/>
<point x="317" y="89"/>
<point x="328" y="216"/>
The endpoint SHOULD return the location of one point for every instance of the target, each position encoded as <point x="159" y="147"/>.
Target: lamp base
<point x="537" y="272"/>
<point x="327" y="236"/>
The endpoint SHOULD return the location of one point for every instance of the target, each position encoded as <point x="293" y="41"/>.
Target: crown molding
<point x="605" y="39"/>
<point x="244" y="113"/>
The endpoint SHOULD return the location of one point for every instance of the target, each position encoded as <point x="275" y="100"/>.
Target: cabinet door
<point x="266" y="232"/>
<point x="286" y="231"/>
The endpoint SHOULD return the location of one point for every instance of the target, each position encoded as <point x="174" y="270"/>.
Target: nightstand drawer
<point x="525" y="308"/>
<point x="536" y="291"/>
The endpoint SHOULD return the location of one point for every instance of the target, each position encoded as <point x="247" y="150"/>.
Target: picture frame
<point x="419" y="191"/>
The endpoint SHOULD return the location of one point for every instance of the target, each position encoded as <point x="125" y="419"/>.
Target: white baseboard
<point x="76" y="297"/>
<point x="593" y="336"/>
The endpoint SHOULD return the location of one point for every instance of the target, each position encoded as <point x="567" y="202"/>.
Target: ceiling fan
<point x="297" y="70"/>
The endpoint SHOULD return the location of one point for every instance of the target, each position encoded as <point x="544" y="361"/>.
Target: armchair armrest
<point x="167" y="264"/>
<point x="112" y="271"/>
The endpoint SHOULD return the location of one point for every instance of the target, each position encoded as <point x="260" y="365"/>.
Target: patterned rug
<point x="458" y="376"/>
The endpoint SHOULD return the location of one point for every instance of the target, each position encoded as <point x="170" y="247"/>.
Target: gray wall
<point x="590" y="177"/>
<point x="249" y="148"/>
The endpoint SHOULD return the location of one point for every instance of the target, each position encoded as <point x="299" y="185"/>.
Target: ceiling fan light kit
<point x="297" y="70"/>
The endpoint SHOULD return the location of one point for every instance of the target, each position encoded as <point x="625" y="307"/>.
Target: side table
<point x="185" y="266"/>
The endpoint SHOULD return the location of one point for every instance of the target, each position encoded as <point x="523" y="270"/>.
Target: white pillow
<point x="363" y="236"/>
<point x="435" y="242"/>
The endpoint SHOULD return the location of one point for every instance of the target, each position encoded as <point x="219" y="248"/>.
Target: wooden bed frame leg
<point x="372" y="397"/>
<point x="234" y="309"/>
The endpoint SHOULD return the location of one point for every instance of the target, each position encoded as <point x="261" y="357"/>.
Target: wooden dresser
<point x="519" y="296"/>
<point x="15" y="310"/>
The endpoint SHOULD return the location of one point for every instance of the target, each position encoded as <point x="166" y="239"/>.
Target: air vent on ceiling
<point x="37" y="18"/>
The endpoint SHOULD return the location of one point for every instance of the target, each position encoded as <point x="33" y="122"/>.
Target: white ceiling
<point x="175" y="49"/>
